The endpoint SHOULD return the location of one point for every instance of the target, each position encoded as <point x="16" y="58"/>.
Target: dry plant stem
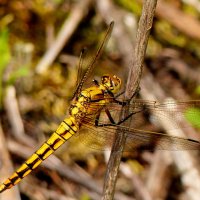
<point x="15" y="120"/>
<point x="13" y="113"/>
<point x="68" y="28"/>
<point x="6" y="168"/>
<point x="142" y="36"/>
<point x="124" y="42"/>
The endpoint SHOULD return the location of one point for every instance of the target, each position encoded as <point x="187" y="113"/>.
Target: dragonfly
<point x="92" y="116"/>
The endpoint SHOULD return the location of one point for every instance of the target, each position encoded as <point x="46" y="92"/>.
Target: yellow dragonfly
<point x="88" y="111"/>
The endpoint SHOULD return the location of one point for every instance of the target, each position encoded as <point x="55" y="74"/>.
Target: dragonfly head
<point x="112" y="83"/>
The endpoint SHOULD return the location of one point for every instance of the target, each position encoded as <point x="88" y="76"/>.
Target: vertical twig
<point x="145" y="24"/>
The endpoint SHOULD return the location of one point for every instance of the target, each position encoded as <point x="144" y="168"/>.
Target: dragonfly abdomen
<point x="66" y="130"/>
<point x="89" y="103"/>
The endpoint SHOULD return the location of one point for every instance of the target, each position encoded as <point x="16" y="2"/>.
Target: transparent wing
<point x="102" y="137"/>
<point x="80" y="70"/>
<point x="173" y="111"/>
<point x="91" y="64"/>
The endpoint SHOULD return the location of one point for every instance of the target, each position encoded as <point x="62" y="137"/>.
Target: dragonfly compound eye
<point x="116" y="84"/>
<point x="112" y="83"/>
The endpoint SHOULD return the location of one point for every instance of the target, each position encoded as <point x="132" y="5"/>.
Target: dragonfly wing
<point x="93" y="61"/>
<point x="175" y="112"/>
<point x="148" y="140"/>
<point x="96" y="138"/>
<point x="103" y="138"/>
<point x="80" y="71"/>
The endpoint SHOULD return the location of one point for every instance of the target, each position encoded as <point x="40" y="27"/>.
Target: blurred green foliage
<point x="5" y="57"/>
<point x="4" y="49"/>
<point x="20" y="72"/>
<point x="197" y="90"/>
<point x="15" y="72"/>
<point x="191" y="10"/>
<point x="133" y="6"/>
<point x="85" y="197"/>
<point x="167" y="34"/>
<point x="193" y="116"/>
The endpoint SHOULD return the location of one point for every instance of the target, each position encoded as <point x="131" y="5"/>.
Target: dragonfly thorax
<point x="93" y="98"/>
<point x="111" y="83"/>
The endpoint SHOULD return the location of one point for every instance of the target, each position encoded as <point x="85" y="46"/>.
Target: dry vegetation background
<point x="40" y="42"/>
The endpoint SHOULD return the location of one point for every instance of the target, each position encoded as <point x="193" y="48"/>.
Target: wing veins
<point x="94" y="59"/>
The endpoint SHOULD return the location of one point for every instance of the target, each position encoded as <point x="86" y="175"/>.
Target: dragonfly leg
<point x="127" y="101"/>
<point x="113" y="123"/>
<point x="127" y="117"/>
<point x="109" y="117"/>
<point x="135" y="93"/>
<point x="97" y="119"/>
<point x="119" y="94"/>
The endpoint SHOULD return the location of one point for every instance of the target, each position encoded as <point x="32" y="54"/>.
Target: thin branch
<point x="11" y="105"/>
<point x="142" y="36"/>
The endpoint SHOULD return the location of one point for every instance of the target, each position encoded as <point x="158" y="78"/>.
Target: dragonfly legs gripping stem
<point x="113" y="123"/>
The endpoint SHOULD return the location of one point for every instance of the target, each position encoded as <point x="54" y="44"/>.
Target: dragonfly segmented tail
<point x="67" y="128"/>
